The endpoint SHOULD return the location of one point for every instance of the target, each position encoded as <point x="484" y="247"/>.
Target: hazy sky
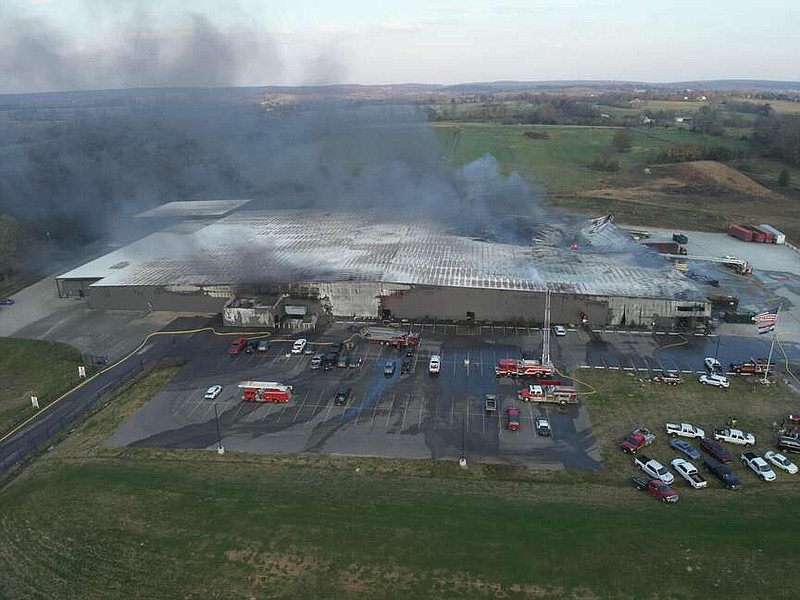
<point x="69" y="44"/>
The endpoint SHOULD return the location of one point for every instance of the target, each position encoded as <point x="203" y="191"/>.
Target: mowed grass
<point x="33" y="367"/>
<point x="562" y="163"/>
<point x="93" y="522"/>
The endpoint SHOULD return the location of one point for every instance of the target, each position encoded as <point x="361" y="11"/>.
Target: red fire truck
<point x="560" y="394"/>
<point x="388" y="336"/>
<point x="512" y="367"/>
<point x="265" y="391"/>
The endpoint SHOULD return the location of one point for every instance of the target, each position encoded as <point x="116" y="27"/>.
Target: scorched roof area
<point x="303" y="246"/>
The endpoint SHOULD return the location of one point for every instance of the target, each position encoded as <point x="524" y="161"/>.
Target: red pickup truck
<point x="656" y="488"/>
<point x="638" y="439"/>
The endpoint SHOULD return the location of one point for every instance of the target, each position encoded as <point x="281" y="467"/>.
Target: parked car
<point x="237" y="346"/>
<point x="689" y="472"/>
<point x="405" y="365"/>
<point x="759" y="466"/>
<point x="435" y="364"/>
<point x="542" y="426"/>
<point x="316" y="361"/>
<point x="712" y="365"/>
<point x="789" y="443"/>
<point x="780" y="461"/>
<point x="735" y="436"/>
<point x="559" y="330"/>
<point x="410" y="350"/>
<point x="7" y="301"/>
<point x="341" y="397"/>
<point x="638" y="439"/>
<point x="213" y="392"/>
<point x="389" y="368"/>
<point x="251" y="347"/>
<point x="722" y="472"/>
<point x="343" y="361"/>
<point x="656" y="488"/>
<point x="685" y="447"/>
<point x="669" y="377"/>
<point x="715" y="450"/>
<point x="263" y="346"/>
<point x="685" y="430"/>
<point x="354" y="362"/>
<point x="719" y="381"/>
<point x="329" y="360"/>
<point x="512" y="418"/>
<point x="490" y="404"/>
<point x="299" y="345"/>
<point x="653" y="468"/>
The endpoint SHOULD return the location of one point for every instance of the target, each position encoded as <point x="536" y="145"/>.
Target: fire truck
<point x="512" y="367"/>
<point x="753" y="367"/>
<point x="559" y="394"/>
<point x="265" y="391"/>
<point x="388" y="336"/>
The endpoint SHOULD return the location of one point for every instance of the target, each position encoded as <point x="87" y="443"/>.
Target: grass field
<point x="561" y="164"/>
<point x="32" y="367"/>
<point x="93" y="522"/>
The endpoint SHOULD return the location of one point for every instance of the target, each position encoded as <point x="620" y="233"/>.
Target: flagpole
<point x="772" y="345"/>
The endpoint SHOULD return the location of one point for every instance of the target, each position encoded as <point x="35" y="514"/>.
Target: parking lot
<point x="413" y="415"/>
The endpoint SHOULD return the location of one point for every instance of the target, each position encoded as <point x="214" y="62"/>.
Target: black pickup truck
<point x="722" y="472"/>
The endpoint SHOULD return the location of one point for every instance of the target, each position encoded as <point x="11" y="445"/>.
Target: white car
<point x="299" y="345"/>
<point x="435" y="364"/>
<point x="560" y="330"/>
<point x="780" y="461"/>
<point x="759" y="466"/>
<point x="712" y="365"/>
<point x="213" y="392"/>
<point x="719" y="381"/>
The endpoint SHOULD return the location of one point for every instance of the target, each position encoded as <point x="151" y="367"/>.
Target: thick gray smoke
<point x="36" y="56"/>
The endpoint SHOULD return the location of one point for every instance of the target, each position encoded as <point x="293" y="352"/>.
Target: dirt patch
<point x="706" y="177"/>
<point x="537" y="135"/>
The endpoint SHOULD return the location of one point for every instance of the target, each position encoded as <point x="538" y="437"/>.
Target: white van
<point x="299" y="346"/>
<point x="435" y="365"/>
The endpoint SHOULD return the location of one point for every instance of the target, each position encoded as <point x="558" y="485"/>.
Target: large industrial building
<point x="259" y="267"/>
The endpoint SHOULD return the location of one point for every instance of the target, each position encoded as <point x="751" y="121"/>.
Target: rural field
<point x="33" y="367"/>
<point x="701" y="195"/>
<point x="88" y="521"/>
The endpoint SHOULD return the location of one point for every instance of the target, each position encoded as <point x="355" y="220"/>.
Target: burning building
<point x="365" y="264"/>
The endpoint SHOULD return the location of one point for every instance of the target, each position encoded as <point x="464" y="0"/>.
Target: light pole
<point x="463" y="460"/>
<point x="220" y="448"/>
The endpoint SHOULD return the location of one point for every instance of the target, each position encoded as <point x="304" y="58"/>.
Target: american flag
<point x="766" y="320"/>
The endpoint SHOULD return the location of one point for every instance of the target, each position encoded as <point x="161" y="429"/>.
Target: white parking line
<point x="360" y="410"/>
<point x="300" y="408"/>
<point x="391" y="408"/>
<point x="405" y="408"/>
<point x="195" y="406"/>
<point x="419" y="419"/>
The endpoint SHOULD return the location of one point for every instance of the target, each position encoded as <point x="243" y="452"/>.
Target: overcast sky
<point x="80" y="44"/>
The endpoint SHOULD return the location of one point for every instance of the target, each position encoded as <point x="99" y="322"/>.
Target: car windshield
<point x="764" y="467"/>
<point x="661" y="471"/>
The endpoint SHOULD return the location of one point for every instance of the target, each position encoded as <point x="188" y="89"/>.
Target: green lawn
<point x="93" y="522"/>
<point x="33" y="367"/>
<point x="561" y="164"/>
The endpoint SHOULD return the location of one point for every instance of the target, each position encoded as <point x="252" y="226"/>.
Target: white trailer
<point x="780" y="237"/>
